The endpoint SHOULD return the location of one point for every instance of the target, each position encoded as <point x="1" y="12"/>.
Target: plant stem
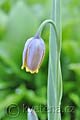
<point x="38" y="34"/>
<point x="54" y="82"/>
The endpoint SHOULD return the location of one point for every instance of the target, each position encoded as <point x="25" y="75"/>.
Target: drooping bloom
<point x="32" y="114"/>
<point x="33" y="54"/>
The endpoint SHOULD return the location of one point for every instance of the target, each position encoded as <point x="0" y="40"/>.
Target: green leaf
<point x="75" y="67"/>
<point x="75" y="98"/>
<point x="71" y="47"/>
<point x="3" y="23"/>
<point x="54" y="75"/>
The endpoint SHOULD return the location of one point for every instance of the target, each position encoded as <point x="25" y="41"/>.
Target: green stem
<point x="53" y="75"/>
<point x="38" y="34"/>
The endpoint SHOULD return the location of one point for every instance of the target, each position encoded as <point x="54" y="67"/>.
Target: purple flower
<point x="32" y="114"/>
<point x="33" y="54"/>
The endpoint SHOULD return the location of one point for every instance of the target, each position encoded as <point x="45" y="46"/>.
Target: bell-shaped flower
<point x="33" y="54"/>
<point x="32" y="114"/>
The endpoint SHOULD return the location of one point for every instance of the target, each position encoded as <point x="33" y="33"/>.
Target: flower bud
<point x="33" y="54"/>
<point x="32" y="114"/>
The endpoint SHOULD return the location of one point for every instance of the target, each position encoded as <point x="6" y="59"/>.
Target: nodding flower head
<point x="33" y="54"/>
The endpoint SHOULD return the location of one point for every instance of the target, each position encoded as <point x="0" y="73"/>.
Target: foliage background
<point x="19" y="20"/>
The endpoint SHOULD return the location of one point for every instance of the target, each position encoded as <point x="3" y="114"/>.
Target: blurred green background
<point x="19" y="20"/>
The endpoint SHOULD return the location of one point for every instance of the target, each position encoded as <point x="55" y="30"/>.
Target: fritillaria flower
<point x="33" y="54"/>
<point x="32" y="114"/>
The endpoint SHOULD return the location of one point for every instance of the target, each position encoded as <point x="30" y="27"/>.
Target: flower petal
<point x="32" y="114"/>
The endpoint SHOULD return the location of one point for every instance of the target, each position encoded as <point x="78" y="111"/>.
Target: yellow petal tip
<point x="27" y="70"/>
<point x="31" y="71"/>
<point x="22" y="67"/>
<point x="36" y="71"/>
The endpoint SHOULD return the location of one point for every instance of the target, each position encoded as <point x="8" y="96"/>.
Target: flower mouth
<point x="29" y="70"/>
